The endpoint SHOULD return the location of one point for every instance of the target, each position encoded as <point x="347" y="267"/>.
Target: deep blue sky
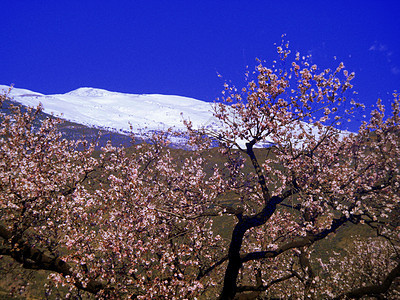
<point x="178" y="47"/>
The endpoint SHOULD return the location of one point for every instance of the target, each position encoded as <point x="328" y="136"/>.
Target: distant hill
<point x="89" y="109"/>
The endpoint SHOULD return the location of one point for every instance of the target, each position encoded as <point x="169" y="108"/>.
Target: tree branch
<point x="373" y="290"/>
<point x="302" y="242"/>
<point x="34" y="258"/>
<point x="208" y="270"/>
<point x="257" y="168"/>
<point x="249" y="288"/>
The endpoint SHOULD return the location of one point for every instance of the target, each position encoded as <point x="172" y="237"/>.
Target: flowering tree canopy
<point x="230" y="222"/>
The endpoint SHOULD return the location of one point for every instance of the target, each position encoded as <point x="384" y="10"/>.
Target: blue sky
<point x="179" y="47"/>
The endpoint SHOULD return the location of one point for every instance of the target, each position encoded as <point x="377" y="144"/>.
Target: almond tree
<point x="314" y="181"/>
<point x="119" y="223"/>
<point x="149" y="221"/>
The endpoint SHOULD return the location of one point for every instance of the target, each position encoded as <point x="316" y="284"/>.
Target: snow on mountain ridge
<point x="91" y="92"/>
<point x="117" y="111"/>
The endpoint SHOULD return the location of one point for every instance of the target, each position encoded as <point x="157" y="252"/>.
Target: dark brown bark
<point x="260" y="287"/>
<point x="245" y="223"/>
<point x="298" y="243"/>
<point x="205" y="272"/>
<point x="235" y="260"/>
<point x="257" y="168"/>
<point x="31" y="257"/>
<point x="373" y="290"/>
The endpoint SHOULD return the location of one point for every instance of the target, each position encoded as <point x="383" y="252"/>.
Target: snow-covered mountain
<point x="118" y="111"/>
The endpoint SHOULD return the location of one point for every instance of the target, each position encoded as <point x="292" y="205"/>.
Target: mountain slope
<point x="118" y="111"/>
<point x="128" y="113"/>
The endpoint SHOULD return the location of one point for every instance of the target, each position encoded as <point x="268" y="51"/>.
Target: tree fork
<point x="235" y="261"/>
